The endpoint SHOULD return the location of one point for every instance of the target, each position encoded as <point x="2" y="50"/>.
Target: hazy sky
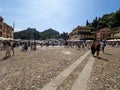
<point x="61" y="15"/>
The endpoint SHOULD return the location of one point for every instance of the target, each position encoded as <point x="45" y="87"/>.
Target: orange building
<point x="6" y="31"/>
<point x="103" y="33"/>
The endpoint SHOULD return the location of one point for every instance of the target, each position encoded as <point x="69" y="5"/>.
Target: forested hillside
<point x="111" y="20"/>
<point x="32" y="33"/>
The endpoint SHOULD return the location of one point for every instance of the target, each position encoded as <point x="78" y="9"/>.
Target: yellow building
<point x="6" y="31"/>
<point x="81" y="33"/>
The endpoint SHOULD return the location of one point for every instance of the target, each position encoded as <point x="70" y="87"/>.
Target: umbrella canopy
<point x="114" y="40"/>
<point x="89" y="40"/>
<point x="2" y="38"/>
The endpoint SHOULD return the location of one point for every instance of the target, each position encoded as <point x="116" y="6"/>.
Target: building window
<point x="0" y="26"/>
<point x="3" y="30"/>
<point x="0" y="34"/>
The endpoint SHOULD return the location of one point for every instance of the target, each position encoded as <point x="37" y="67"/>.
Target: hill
<point x="32" y="33"/>
<point x="50" y="34"/>
<point x="111" y="20"/>
<point x="29" y="33"/>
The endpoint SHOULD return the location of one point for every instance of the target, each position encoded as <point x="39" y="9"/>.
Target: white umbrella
<point x="2" y="38"/>
<point x="10" y="38"/>
<point x="117" y="39"/>
<point x="89" y="40"/>
<point x="114" y="40"/>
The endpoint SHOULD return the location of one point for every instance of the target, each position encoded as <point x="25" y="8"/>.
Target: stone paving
<point x="68" y="68"/>
<point x="81" y="82"/>
<point x="34" y="69"/>
<point x="106" y="71"/>
<point x="53" y="85"/>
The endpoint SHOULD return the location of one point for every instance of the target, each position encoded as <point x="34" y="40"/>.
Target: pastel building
<point x="6" y="31"/>
<point x="103" y="33"/>
<point x="81" y="33"/>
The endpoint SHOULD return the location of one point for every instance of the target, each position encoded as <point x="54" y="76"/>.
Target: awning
<point x="2" y="38"/>
<point x="114" y="40"/>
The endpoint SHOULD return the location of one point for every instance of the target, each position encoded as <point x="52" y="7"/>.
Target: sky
<point x="60" y="15"/>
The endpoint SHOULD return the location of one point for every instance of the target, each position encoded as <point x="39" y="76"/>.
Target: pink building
<point x="103" y="33"/>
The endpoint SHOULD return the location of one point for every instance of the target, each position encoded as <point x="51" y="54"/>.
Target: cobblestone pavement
<point x="34" y="69"/>
<point x="104" y="76"/>
<point x="106" y="71"/>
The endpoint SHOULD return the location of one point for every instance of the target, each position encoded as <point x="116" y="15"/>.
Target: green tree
<point x="87" y="23"/>
<point x="107" y="20"/>
<point x="64" y="35"/>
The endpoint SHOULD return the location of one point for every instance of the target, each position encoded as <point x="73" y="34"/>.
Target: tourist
<point x="78" y="45"/>
<point x="83" y="45"/>
<point x="98" y="49"/>
<point x="7" y="46"/>
<point x="33" y="46"/>
<point x="12" y="47"/>
<point x="1" y="45"/>
<point x="103" y="46"/>
<point x="66" y="44"/>
<point x="93" y="48"/>
<point x="25" y="46"/>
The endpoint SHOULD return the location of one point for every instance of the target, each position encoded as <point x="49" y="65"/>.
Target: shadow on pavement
<point x="5" y="58"/>
<point x="103" y="59"/>
<point x="107" y="54"/>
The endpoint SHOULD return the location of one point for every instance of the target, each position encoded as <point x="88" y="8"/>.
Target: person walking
<point x="98" y="49"/>
<point x="13" y="45"/>
<point x="25" y="46"/>
<point x="1" y="45"/>
<point x="7" y="46"/>
<point x="103" y="46"/>
<point x="93" y="48"/>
